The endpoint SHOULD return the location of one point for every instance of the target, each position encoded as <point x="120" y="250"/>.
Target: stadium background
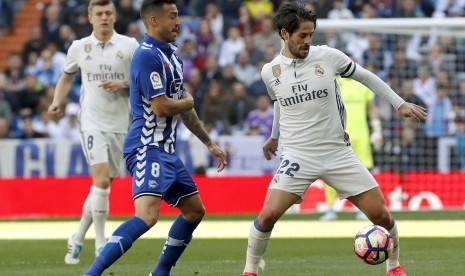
<point x="224" y="44"/>
<point x="417" y="46"/>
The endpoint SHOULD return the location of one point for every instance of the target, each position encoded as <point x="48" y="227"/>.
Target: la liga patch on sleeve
<point x="156" y="80"/>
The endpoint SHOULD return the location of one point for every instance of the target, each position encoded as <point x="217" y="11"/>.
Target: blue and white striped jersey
<point x="155" y="70"/>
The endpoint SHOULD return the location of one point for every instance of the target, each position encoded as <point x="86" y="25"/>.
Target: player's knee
<point x="196" y="214"/>
<point x="148" y="216"/>
<point x="102" y="182"/>
<point x="268" y="219"/>
<point x="150" y="220"/>
<point x="383" y="218"/>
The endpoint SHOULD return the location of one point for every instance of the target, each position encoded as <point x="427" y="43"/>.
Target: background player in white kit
<point x="310" y="121"/>
<point x="104" y="58"/>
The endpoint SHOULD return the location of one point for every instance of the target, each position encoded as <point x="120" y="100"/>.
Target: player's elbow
<point x="160" y="109"/>
<point x="162" y="112"/>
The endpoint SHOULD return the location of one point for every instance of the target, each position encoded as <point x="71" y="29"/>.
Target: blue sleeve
<point x="152" y="79"/>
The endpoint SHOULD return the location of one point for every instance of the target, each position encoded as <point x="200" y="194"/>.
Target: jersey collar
<point x="165" y="47"/>
<point x="95" y="40"/>
<point x="289" y="61"/>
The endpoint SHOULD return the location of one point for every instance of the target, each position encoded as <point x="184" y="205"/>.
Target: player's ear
<point x="153" y="20"/>
<point x="284" y="33"/>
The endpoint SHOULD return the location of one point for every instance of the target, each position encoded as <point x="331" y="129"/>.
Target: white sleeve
<point x="339" y="60"/>
<point x="276" y="112"/>
<point x="377" y="85"/>
<point x="275" y="127"/>
<point x="71" y="64"/>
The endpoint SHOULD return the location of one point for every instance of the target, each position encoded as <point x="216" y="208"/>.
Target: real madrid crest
<point x="319" y="71"/>
<point x="119" y="55"/>
<point x="276" y="69"/>
<point x="88" y="48"/>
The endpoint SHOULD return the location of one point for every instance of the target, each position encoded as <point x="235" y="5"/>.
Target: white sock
<point x="85" y="222"/>
<point x="257" y="244"/>
<point x="393" y="260"/>
<point x="100" y="205"/>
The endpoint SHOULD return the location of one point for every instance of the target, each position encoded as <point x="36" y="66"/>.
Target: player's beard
<point x="295" y="50"/>
<point x="168" y="34"/>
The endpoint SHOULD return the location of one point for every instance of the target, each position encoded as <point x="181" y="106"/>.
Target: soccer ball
<point x="373" y="244"/>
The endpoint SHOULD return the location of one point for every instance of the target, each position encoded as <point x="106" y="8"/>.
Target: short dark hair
<point x="290" y="15"/>
<point x="149" y="6"/>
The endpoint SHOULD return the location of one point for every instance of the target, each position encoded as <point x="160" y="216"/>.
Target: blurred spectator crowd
<point x="224" y="45"/>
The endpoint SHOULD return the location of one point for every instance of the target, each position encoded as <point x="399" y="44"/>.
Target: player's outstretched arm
<point x="62" y="88"/>
<point x="412" y="110"/>
<point x="192" y="122"/>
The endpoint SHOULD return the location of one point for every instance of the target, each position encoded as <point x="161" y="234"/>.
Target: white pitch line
<point x="237" y="229"/>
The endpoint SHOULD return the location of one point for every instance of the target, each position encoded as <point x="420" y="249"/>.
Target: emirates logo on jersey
<point x="319" y="71"/>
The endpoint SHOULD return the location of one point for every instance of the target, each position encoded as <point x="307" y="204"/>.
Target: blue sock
<point x="120" y="242"/>
<point x="178" y="238"/>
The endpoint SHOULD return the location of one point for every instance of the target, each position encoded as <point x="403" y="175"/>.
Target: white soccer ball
<point x="373" y="244"/>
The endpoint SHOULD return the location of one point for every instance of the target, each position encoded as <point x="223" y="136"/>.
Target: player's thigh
<point x="183" y="186"/>
<point x="346" y="174"/>
<point x="147" y="208"/>
<point x="277" y="201"/>
<point x="295" y="174"/>
<point x="100" y="175"/>
<point x="192" y="207"/>
<point x="371" y="200"/>
<point x="94" y="146"/>
<point x="115" y="143"/>
<point x="152" y="172"/>
<point x="289" y="184"/>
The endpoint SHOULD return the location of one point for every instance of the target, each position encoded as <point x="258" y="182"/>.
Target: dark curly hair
<point x="290" y="15"/>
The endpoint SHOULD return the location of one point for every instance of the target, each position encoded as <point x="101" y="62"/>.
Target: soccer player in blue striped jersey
<point x="158" y="100"/>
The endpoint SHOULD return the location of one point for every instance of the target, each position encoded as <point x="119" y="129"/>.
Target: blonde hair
<point x="99" y="3"/>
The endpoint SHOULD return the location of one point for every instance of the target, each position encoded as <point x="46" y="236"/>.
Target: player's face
<point x="168" y="23"/>
<point x="299" y="42"/>
<point x="102" y="19"/>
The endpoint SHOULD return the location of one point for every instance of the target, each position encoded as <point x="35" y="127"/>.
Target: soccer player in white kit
<point x="310" y="121"/>
<point x="104" y="58"/>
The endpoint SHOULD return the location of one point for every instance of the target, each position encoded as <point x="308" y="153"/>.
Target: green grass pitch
<point x="217" y="257"/>
<point x="431" y="256"/>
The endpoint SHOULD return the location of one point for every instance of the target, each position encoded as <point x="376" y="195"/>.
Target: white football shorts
<point x="103" y="147"/>
<point x="341" y="169"/>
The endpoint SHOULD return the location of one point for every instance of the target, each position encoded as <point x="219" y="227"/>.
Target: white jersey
<point x="312" y="114"/>
<point x="102" y="110"/>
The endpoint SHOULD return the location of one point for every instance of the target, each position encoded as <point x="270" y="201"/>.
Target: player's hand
<point x="412" y="110"/>
<point x="270" y="146"/>
<point x="376" y="139"/>
<point x="112" y="86"/>
<point x="219" y="154"/>
<point x="188" y="97"/>
<point x="55" y="111"/>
